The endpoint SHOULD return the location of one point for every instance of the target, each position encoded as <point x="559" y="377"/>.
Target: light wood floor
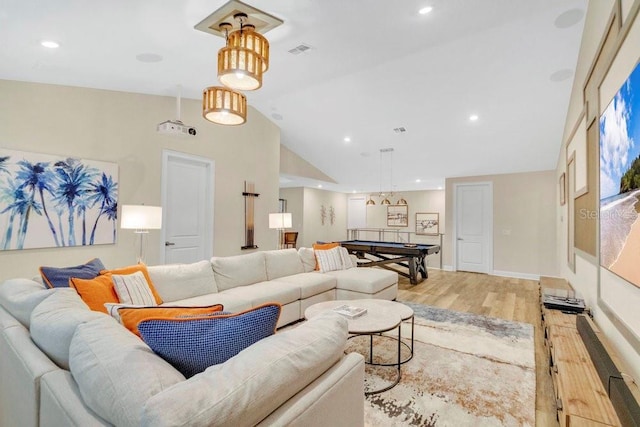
<point x="503" y="297"/>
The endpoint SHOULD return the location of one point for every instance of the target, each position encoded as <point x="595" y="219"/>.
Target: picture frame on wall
<point x="563" y="189"/>
<point x="398" y="216"/>
<point x="428" y="223"/>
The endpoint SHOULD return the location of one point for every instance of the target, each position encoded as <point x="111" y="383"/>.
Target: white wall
<point x="602" y="290"/>
<point x="524" y="231"/>
<point x="121" y="127"/>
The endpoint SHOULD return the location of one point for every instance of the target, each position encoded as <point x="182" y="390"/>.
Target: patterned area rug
<point x="467" y="370"/>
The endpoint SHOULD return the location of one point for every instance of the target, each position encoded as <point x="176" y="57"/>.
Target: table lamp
<point x="141" y="219"/>
<point x="280" y="221"/>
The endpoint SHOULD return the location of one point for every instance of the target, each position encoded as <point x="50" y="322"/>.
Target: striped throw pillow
<point x="329" y="260"/>
<point x="133" y="289"/>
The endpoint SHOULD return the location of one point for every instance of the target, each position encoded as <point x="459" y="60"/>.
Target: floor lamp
<point x="141" y="219"/>
<point x="280" y="221"/>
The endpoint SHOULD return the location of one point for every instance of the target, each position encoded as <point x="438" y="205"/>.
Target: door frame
<point x="209" y="203"/>
<point x="489" y="243"/>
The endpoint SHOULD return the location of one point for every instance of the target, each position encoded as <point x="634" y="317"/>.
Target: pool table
<point x="408" y="255"/>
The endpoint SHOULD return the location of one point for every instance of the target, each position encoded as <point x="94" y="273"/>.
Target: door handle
<point x="460" y="238"/>
<point x="169" y="244"/>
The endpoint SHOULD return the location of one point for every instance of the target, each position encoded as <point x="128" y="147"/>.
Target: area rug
<point x="467" y="370"/>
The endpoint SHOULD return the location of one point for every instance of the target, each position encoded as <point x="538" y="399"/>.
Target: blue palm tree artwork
<point x="54" y="201"/>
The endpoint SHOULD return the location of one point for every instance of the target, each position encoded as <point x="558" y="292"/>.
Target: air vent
<point x="301" y="48"/>
<point x="386" y="150"/>
<point x="401" y="129"/>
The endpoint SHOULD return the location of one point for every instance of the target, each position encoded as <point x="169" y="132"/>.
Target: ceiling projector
<point x="176" y="127"/>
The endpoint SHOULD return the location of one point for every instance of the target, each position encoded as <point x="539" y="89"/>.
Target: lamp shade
<point x="280" y="220"/>
<point x="224" y="106"/>
<point x="140" y="217"/>
<point x="249" y="39"/>
<point x="240" y="68"/>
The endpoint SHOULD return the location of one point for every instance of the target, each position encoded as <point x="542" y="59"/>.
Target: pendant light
<point x="224" y="106"/>
<point x="370" y="202"/>
<point x="245" y="57"/>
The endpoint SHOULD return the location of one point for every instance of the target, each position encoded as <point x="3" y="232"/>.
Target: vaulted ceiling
<point x="374" y="66"/>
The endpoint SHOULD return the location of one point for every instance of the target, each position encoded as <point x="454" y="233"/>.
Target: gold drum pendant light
<point x="224" y="106"/>
<point x="245" y="57"/>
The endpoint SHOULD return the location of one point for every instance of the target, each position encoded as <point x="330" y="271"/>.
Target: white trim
<point x="209" y="208"/>
<point x="447" y="268"/>
<point x="515" y="275"/>
<point x="489" y="248"/>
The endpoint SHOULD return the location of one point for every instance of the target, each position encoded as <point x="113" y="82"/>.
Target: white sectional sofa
<point x="64" y="365"/>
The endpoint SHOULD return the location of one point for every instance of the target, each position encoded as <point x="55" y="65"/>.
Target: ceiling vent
<point x="301" y="48"/>
<point x="261" y="20"/>
<point x="401" y="129"/>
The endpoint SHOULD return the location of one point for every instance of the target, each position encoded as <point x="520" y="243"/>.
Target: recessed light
<point x="440" y="188"/>
<point x="425" y="10"/>
<point x="354" y="191"/>
<point x="319" y="185"/>
<point x="418" y="180"/>
<point x="347" y="139"/>
<point x="50" y="44"/>
<point x="473" y="117"/>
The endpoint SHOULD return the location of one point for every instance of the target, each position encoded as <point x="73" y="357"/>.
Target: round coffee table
<point x="381" y="316"/>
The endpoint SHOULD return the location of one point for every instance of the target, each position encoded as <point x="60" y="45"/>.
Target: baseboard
<point x="447" y="268"/>
<point x="515" y="275"/>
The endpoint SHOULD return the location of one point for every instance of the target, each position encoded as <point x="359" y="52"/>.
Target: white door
<point x="473" y="228"/>
<point x="356" y="215"/>
<point x="187" y="203"/>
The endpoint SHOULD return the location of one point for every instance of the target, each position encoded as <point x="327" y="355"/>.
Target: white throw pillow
<point x="133" y="289"/>
<point x="347" y="261"/>
<point x="112" y="309"/>
<point x="329" y="259"/>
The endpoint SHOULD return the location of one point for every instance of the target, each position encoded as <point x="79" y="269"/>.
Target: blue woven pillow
<point x="191" y="344"/>
<point x="56" y="277"/>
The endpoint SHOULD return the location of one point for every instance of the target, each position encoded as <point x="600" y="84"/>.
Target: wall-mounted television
<point x="620" y="182"/>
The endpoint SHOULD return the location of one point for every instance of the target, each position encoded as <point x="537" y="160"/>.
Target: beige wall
<point x="614" y="301"/>
<point x="313" y="229"/>
<point x="121" y="127"/>
<point x="524" y="217"/>
<point x="292" y="164"/>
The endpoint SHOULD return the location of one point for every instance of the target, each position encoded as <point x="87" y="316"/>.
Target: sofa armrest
<point x="61" y="403"/>
<point x="332" y="399"/>
<point x="22" y="364"/>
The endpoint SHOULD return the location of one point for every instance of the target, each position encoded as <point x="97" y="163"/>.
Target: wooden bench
<point x="588" y="386"/>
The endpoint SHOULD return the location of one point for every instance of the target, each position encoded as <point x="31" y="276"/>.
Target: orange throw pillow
<point x="132" y="269"/>
<point x="130" y="317"/>
<point x="323" y="247"/>
<point x="95" y="292"/>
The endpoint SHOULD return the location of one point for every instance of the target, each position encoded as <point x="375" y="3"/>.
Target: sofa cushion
<point x="308" y="258"/>
<point x="239" y="270"/>
<point x="191" y="345"/>
<point x="54" y="321"/>
<point x="248" y="387"/>
<point x="132" y="269"/>
<point x="96" y="292"/>
<point x="20" y="296"/>
<point x="280" y="263"/>
<point x="364" y="279"/>
<point x="179" y="281"/>
<point x="116" y="371"/>
<point x="271" y="291"/>
<point x="130" y="317"/>
<point x="133" y="289"/>
<point x="311" y="283"/>
<point x="58" y="277"/>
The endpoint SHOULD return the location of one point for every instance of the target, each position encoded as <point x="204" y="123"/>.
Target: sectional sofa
<point x="64" y="365"/>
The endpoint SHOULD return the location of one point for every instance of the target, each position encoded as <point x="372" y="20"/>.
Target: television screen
<point x="620" y="182"/>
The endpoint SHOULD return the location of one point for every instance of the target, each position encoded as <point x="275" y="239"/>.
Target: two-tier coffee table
<point x="382" y="316"/>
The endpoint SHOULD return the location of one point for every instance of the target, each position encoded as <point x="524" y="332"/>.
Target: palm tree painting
<point x="52" y="201"/>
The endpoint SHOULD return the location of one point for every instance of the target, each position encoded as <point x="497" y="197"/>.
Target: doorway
<point x="473" y="227"/>
<point x="187" y="204"/>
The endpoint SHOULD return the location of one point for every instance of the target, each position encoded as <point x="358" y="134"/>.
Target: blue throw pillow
<point x="58" y="277"/>
<point x="191" y="344"/>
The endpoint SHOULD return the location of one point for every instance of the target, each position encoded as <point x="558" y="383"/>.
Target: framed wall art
<point x="428" y="223"/>
<point x="55" y="201"/>
<point x="398" y="216"/>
